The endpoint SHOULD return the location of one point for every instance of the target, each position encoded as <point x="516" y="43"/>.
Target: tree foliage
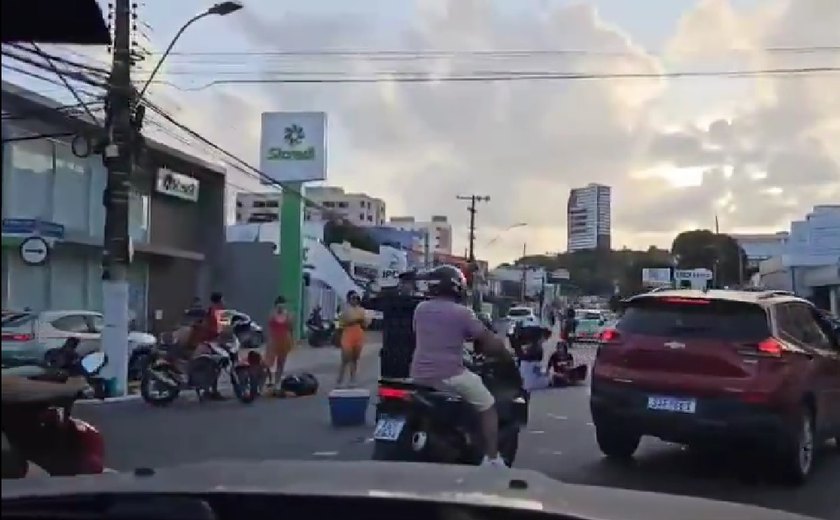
<point x="717" y="252"/>
<point x="340" y="232"/>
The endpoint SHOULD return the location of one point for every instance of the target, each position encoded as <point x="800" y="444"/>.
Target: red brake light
<point x="770" y="347"/>
<point x="18" y="337"/>
<point x="393" y="393"/>
<point x="610" y="336"/>
<point x="689" y="301"/>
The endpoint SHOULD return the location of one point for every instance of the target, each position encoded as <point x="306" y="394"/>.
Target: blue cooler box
<point x="348" y="407"/>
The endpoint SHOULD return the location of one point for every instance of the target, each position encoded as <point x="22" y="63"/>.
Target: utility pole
<point x="524" y="291"/>
<point x="119" y="156"/>
<point x="474" y="200"/>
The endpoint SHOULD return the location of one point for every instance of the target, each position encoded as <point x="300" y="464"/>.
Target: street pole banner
<point x="293" y="146"/>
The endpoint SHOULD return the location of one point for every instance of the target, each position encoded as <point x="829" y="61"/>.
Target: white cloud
<point x="769" y="147"/>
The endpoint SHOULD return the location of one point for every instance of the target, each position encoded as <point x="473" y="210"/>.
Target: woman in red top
<point x="280" y="339"/>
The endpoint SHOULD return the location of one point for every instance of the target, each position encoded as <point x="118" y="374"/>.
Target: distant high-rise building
<point x="436" y="234"/>
<point x="588" y="218"/>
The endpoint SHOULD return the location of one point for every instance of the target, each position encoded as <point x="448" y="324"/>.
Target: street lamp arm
<point x="169" y="49"/>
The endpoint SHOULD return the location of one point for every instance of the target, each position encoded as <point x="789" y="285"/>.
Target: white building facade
<point x="437" y="232"/>
<point x="810" y="263"/>
<point x="359" y="209"/>
<point x="588" y="218"/>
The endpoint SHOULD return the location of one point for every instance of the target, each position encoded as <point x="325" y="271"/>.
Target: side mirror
<point x="93" y="362"/>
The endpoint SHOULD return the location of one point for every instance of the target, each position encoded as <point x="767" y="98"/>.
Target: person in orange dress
<point x="353" y="321"/>
<point x="280" y="339"/>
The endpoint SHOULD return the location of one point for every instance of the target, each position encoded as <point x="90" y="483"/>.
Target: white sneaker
<point x="497" y="462"/>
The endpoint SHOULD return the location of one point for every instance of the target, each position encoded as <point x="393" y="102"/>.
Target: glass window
<point x="31" y="180"/>
<point x="138" y="216"/>
<point x="97" y="323"/>
<point x="71" y="189"/>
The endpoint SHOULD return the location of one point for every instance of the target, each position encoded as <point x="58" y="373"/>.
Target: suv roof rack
<point x="775" y="292"/>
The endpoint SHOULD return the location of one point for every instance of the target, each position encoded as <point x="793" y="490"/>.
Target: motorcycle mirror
<point x="93" y="362"/>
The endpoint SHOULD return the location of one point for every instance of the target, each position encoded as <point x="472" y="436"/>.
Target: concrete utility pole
<point x="119" y="157"/>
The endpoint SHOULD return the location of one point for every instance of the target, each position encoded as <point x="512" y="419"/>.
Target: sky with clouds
<point x="758" y="151"/>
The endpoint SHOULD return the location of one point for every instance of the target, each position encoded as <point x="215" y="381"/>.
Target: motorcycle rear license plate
<point x="388" y="429"/>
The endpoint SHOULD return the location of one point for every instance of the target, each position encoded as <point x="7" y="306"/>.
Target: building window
<point x="342" y="205"/>
<point x="362" y="217"/>
<point x="329" y="204"/>
<point x="28" y="190"/>
<point x="258" y="204"/>
<point x="272" y="204"/>
<point x="138" y="216"/>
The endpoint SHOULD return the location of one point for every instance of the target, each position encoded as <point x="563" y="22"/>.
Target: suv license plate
<point x="388" y="429"/>
<point x="672" y="404"/>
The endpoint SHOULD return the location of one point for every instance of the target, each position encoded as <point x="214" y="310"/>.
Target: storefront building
<point x="53" y="196"/>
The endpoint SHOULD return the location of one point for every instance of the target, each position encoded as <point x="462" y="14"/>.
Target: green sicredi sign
<point x="279" y="154"/>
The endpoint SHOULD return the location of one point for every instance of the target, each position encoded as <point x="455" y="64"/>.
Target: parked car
<point x="589" y="324"/>
<point x="28" y="336"/>
<point x="753" y="369"/>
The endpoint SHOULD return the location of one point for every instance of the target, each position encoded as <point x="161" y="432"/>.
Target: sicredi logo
<point x="177" y="185"/>
<point x="294" y="136"/>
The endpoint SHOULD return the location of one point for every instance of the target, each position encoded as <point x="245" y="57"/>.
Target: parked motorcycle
<point x="247" y="331"/>
<point x="44" y="432"/>
<point x="321" y="333"/>
<point x="418" y="423"/>
<point x="174" y="369"/>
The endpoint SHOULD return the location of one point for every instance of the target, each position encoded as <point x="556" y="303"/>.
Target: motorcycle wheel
<point x="137" y="365"/>
<point x="165" y="395"/>
<point x="245" y="385"/>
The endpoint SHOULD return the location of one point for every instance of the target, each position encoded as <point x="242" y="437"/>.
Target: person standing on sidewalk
<point x="280" y="340"/>
<point x="353" y="320"/>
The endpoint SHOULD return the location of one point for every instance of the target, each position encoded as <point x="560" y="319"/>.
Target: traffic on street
<point x="413" y="259"/>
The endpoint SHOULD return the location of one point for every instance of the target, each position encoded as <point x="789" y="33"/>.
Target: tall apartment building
<point x="438" y="230"/>
<point x="357" y="208"/>
<point x="588" y="218"/>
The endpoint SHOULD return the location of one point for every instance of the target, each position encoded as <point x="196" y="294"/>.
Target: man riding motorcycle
<point x="442" y="324"/>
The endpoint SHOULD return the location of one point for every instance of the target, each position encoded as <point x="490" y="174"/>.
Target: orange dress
<point x="280" y="337"/>
<point x="353" y="332"/>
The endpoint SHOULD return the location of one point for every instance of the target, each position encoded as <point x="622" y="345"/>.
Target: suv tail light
<point x="770" y="347"/>
<point x="393" y="393"/>
<point x="610" y="336"/>
<point x="18" y="337"/>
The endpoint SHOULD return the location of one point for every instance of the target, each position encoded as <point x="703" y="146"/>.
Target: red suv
<point x="698" y="367"/>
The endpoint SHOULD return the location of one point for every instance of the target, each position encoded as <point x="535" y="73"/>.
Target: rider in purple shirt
<point x="441" y="326"/>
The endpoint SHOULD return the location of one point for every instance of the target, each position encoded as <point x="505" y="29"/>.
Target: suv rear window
<point x="724" y="320"/>
<point x="591" y="316"/>
<point x="519" y="312"/>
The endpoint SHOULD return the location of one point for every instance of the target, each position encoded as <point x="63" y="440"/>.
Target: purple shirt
<point x="441" y="328"/>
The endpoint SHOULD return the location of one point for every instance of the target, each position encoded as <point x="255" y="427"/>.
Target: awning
<point x="72" y="22"/>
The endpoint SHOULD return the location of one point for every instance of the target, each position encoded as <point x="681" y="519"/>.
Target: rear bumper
<point x="715" y="419"/>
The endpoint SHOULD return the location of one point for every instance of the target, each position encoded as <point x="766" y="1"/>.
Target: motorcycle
<point x="174" y="369"/>
<point x="420" y="423"/>
<point x="44" y="432"/>
<point x="319" y="332"/>
<point x="246" y="330"/>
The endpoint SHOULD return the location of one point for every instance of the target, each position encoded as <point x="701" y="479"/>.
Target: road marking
<point x="536" y="431"/>
<point x="107" y="400"/>
<point x="558" y="417"/>
<point x="325" y="454"/>
<point x="590" y="424"/>
<point x="369" y="440"/>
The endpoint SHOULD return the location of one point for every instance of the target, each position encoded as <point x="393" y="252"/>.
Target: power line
<point x="351" y="53"/>
<point x="511" y="77"/>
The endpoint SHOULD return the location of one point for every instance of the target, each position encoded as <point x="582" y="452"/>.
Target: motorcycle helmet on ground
<point x="446" y="281"/>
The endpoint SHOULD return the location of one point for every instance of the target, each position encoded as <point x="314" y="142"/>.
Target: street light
<point x="512" y="226"/>
<point x="221" y="9"/>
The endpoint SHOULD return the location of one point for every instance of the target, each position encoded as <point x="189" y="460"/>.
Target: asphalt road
<point x="559" y="442"/>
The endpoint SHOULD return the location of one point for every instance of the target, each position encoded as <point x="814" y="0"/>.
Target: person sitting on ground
<point x="560" y="363"/>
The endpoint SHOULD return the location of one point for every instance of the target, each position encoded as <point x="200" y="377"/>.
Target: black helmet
<point x="447" y="281"/>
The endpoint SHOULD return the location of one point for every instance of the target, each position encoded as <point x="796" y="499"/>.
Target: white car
<point x="27" y="336"/>
<point x="517" y="315"/>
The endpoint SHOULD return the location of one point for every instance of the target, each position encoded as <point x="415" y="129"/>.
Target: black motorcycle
<point x="319" y="332"/>
<point x="175" y="369"/>
<point x="246" y="330"/>
<point x="418" y="423"/>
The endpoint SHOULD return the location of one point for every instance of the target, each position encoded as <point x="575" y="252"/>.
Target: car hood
<point x="514" y="489"/>
<point x="141" y="338"/>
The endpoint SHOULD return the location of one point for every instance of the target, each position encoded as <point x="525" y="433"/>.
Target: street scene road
<point x="559" y="441"/>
